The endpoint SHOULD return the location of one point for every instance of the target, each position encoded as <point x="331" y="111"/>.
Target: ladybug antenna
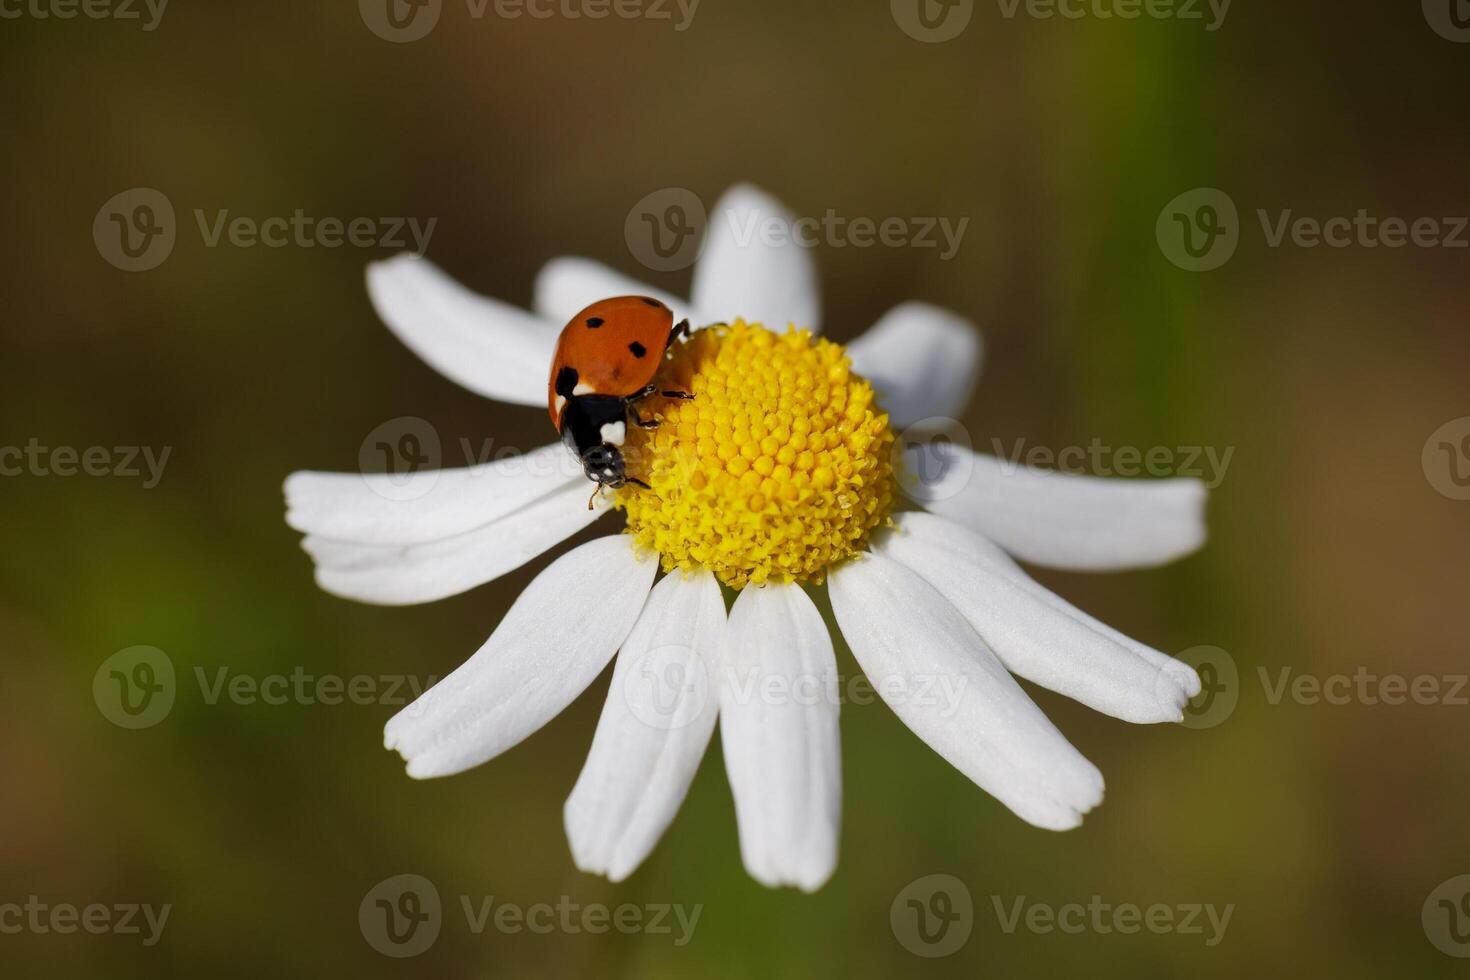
<point x="595" y="491"/>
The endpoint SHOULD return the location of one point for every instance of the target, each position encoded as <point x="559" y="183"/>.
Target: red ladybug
<point x="604" y="364"/>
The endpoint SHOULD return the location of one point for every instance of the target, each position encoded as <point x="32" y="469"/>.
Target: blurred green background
<point x="1325" y="369"/>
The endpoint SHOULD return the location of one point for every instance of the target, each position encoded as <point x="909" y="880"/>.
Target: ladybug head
<point x="604" y="465"/>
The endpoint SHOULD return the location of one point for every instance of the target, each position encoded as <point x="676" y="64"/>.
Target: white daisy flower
<point x="775" y="480"/>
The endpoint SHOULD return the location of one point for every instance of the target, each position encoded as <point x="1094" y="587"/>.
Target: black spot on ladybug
<point x="652" y="302"/>
<point x="638" y="349"/>
<point x="566" y="381"/>
<point x="594" y="322"/>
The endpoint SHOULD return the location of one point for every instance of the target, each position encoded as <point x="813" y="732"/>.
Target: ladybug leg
<point x="680" y="328"/>
<point x="642" y="422"/>
<point x="595" y="491"/>
<point x="648" y="390"/>
<point x="639" y="483"/>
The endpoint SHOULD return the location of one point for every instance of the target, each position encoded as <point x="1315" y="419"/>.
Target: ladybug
<point x="604" y="365"/>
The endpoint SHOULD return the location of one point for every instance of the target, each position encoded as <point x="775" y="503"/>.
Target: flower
<point x="776" y="479"/>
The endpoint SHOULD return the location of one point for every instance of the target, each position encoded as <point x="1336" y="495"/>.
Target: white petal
<point x="778" y="727"/>
<point x="552" y="643"/>
<point x="923" y="362"/>
<point x="396" y="575"/>
<point x="374" y="508"/>
<point x="1061" y="520"/>
<point x="568" y="285"/>
<point x="1034" y="632"/>
<point x="489" y="347"/>
<point x="945" y="684"/>
<point x="658" y="719"/>
<point x="745" y="271"/>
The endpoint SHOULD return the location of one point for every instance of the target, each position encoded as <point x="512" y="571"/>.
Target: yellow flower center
<point x="778" y="468"/>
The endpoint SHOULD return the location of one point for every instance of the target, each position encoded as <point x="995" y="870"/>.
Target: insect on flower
<point x="779" y="466"/>
<point x="604" y="365"/>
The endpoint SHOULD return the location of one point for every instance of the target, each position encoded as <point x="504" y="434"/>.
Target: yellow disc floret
<point x="779" y="467"/>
